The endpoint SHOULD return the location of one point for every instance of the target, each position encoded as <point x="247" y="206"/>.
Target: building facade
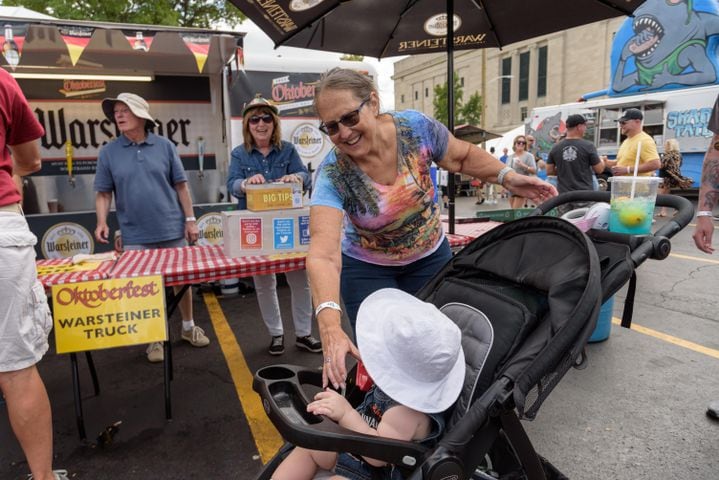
<point x="546" y="70"/>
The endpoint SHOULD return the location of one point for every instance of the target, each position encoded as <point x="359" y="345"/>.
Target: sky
<point x="257" y="43"/>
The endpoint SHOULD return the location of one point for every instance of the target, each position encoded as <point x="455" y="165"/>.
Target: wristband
<point x="705" y="213"/>
<point x="190" y="219"/>
<point x="503" y="173"/>
<point x="330" y="304"/>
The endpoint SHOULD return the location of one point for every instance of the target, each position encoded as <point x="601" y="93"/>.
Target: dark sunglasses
<point x="348" y="120"/>
<point x="520" y="142"/>
<point x="255" y="119"/>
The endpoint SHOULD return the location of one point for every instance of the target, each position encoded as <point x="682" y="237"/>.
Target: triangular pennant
<point x="240" y="58"/>
<point x="199" y="45"/>
<point x="139" y="40"/>
<point x="76" y="39"/>
<point x="13" y="39"/>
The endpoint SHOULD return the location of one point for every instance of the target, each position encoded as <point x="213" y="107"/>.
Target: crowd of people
<point x="376" y="239"/>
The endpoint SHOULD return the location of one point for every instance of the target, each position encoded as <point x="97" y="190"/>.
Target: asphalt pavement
<point x="636" y="412"/>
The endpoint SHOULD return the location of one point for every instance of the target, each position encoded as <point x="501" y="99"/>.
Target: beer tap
<point x="201" y="156"/>
<point x="68" y="160"/>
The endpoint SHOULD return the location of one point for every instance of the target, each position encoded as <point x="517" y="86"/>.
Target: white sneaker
<point x="59" y="475"/>
<point x="155" y="352"/>
<point x="196" y="336"/>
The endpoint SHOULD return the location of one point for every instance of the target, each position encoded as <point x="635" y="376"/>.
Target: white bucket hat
<point x="412" y="351"/>
<point x="137" y="105"/>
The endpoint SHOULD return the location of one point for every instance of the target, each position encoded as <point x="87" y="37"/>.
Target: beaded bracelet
<point x="503" y="173"/>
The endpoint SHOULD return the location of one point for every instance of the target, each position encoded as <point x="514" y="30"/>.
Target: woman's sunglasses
<point x="520" y="142"/>
<point x="348" y="120"/>
<point x="255" y="119"/>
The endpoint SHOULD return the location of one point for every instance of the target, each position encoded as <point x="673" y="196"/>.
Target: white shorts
<point x="25" y="319"/>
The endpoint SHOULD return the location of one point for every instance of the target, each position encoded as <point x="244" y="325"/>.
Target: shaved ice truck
<point x="664" y="62"/>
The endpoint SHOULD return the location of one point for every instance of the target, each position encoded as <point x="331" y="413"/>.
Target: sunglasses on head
<point x="255" y="119"/>
<point x="348" y="120"/>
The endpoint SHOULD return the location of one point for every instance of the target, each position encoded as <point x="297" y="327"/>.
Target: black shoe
<point x="713" y="410"/>
<point x="277" y="345"/>
<point x="309" y="343"/>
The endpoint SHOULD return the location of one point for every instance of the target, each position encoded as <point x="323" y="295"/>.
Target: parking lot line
<point x="671" y="339"/>
<point x="696" y="259"/>
<point x="267" y="439"/>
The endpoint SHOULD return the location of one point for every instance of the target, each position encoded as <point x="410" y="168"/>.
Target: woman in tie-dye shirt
<point x="373" y="220"/>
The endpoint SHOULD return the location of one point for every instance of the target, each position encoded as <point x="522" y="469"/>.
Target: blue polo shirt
<point x="278" y="163"/>
<point x="143" y="177"/>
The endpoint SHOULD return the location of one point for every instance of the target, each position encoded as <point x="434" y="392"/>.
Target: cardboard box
<point x="273" y="196"/>
<point x="266" y="233"/>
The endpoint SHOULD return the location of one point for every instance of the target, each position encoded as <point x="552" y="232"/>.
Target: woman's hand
<point x="290" y="178"/>
<point x="529" y="187"/>
<point x="331" y="404"/>
<point x="703" y="233"/>
<point x="256" y="179"/>
<point x="335" y="347"/>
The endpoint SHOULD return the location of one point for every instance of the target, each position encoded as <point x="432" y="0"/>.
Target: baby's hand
<point x="330" y="404"/>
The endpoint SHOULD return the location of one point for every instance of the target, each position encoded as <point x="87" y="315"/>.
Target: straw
<point x="636" y="167"/>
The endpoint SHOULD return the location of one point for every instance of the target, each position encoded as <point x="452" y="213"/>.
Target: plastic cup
<point x="632" y="204"/>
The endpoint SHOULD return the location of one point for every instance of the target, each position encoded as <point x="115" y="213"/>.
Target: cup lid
<point x="635" y="179"/>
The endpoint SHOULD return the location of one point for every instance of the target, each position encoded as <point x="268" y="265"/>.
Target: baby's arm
<point x="401" y="423"/>
<point x="337" y="408"/>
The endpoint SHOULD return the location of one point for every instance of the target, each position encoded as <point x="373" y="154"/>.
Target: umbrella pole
<point x="450" y="106"/>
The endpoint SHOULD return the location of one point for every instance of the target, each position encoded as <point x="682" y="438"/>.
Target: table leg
<point x="93" y="373"/>
<point x="168" y="379"/>
<point x="78" y="397"/>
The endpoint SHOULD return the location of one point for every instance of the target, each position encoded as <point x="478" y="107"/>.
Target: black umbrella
<point x="384" y="28"/>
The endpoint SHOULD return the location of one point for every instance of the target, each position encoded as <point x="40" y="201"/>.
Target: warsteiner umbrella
<point x="384" y="28"/>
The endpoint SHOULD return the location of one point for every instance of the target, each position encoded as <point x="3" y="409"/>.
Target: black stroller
<point x="525" y="320"/>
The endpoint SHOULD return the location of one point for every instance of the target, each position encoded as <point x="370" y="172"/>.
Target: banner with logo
<point x="76" y="39"/>
<point x="13" y="39"/>
<point x="140" y="40"/>
<point x="199" y="45"/>
<point x="109" y="313"/>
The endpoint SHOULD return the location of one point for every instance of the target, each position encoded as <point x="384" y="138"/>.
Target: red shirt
<point x="17" y="125"/>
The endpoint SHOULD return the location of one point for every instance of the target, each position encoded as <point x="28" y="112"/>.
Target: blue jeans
<point x="359" y="279"/>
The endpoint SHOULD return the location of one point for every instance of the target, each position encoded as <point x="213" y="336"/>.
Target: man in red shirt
<point x="25" y="319"/>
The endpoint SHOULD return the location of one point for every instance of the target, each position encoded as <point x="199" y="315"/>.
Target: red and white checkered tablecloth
<point x="60" y="271"/>
<point x="471" y="230"/>
<point x="187" y="265"/>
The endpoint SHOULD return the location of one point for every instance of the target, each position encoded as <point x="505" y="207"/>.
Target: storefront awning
<point x="40" y="47"/>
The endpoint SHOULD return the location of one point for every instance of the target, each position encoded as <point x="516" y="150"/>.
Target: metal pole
<point x="450" y="101"/>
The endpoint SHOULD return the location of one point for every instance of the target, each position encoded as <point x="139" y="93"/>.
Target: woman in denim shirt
<point x="264" y="157"/>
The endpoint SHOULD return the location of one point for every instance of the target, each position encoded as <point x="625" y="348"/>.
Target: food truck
<point x="196" y="83"/>
<point x="665" y="62"/>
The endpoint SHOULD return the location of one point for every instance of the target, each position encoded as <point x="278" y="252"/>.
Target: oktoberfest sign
<point x="109" y="313"/>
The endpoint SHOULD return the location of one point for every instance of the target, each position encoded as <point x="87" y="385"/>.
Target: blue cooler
<point x="604" y="322"/>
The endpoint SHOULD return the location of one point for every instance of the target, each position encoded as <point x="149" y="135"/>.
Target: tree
<point x="184" y="13"/>
<point x="352" y="58"/>
<point x="469" y="112"/>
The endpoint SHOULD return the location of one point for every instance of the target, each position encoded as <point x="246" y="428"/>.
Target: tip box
<point x="273" y="196"/>
<point x="266" y="233"/>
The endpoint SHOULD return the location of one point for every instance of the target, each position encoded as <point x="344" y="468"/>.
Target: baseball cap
<point x="631" y="114"/>
<point x="137" y="105"/>
<point x="574" y="120"/>
<point x="412" y="350"/>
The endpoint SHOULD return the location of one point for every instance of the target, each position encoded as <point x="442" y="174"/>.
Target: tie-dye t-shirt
<point x="389" y="224"/>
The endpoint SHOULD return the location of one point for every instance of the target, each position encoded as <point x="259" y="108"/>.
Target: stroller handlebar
<point x="642" y="247"/>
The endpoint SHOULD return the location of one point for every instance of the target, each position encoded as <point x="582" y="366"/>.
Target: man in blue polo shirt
<point x="154" y="207"/>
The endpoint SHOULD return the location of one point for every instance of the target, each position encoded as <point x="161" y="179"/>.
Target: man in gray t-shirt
<point x="573" y="159"/>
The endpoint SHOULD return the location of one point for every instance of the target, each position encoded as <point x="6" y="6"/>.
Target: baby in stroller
<point x="413" y="353"/>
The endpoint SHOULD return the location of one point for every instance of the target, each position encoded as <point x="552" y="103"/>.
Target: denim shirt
<point x="278" y="163"/>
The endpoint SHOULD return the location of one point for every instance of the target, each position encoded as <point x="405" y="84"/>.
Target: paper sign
<point x="304" y="222"/>
<point x="284" y="233"/>
<point x="251" y="233"/>
<point x="109" y="313"/>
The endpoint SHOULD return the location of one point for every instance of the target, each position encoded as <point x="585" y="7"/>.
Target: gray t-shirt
<point x="526" y="158"/>
<point x="714" y="119"/>
<point x="574" y="159"/>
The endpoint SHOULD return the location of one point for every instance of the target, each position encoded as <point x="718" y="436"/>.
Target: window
<point x="542" y="72"/>
<point x="402" y="98"/>
<point x="461" y="81"/>
<point x="506" y="80"/>
<point x="426" y="92"/>
<point x="416" y="95"/>
<point x="523" y="76"/>
<point x="523" y="113"/>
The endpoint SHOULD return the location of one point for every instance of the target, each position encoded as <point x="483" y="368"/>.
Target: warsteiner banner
<point x="109" y="313"/>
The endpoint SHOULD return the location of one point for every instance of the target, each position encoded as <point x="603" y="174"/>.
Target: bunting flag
<point x="13" y="39"/>
<point x="199" y="45"/>
<point x="240" y="58"/>
<point x="76" y="39"/>
<point x="140" y="41"/>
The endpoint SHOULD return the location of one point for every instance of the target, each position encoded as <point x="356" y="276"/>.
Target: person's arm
<point x="324" y="263"/>
<point x="463" y="157"/>
<point x="192" y="232"/>
<point x="708" y="197"/>
<point x="236" y="175"/>
<point x="102" y="207"/>
<point x="551" y="169"/>
<point x="26" y="158"/>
